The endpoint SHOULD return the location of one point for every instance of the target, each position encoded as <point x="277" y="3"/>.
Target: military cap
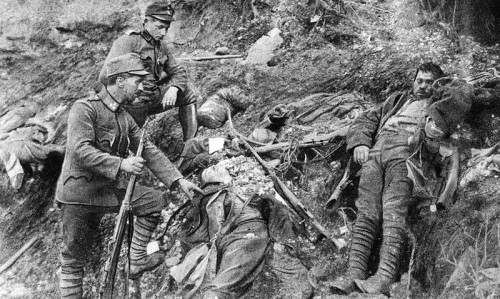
<point x="129" y="63"/>
<point x="160" y="10"/>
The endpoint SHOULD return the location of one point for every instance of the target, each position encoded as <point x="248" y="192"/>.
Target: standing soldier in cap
<point x="166" y="86"/>
<point x="92" y="183"/>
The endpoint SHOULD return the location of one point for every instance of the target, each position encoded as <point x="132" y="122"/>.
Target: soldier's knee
<point x="187" y="97"/>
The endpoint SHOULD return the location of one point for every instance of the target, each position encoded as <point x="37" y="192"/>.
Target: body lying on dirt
<point x="397" y="143"/>
<point x="201" y="152"/>
<point x="93" y="178"/>
<point x="230" y="235"/>
<point x="167" y="84"/>
<point x="214" y="111"/>
<point x="17" y="117"/>
<point x="26" y="146"/>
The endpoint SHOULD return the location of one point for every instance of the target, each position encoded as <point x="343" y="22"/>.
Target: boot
<point x="363" y="236"/>
<point x="345" y="285"/>
<point x="140" y="261"/>
<point x="390" y="255"/>
<point x="149" y="263"/>
<point x="189" y="123"/>
<point x="376" y="284"/>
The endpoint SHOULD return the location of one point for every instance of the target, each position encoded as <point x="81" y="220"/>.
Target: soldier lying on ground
<point x="17" y="117"/>
<point x="379" y="139"/>
<point x="166" y="85"/>
<point x="92" y="181"/>
<point x="201" y="152"/>
<point x="25" y="147"/>
<point x="230" y="235"/>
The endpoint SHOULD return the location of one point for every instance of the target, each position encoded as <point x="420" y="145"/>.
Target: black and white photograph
<point x="253" y="149"/>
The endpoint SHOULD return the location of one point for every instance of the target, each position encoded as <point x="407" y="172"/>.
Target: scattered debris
<point x="486" y="167"/>
<point x="340" y="186"/>
<point x="18" y="254"/>
<point x="263" y="50"/>
<point x="222" y="51"/>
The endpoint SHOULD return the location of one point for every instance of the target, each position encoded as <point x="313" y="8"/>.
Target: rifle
<point x="318" y="141"/>
<point x="287" y="194"/>
<point x="124" y="221"/>
<point x="214" y="57"/>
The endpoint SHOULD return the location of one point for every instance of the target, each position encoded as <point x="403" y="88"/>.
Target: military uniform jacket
<point x="448" y="107"/>
<point x="100" y="135"/>
<point x="156" y="56"/>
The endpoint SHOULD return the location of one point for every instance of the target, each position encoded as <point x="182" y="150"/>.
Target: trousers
<point x="80" y="226"/>
<point x="385" y="194"/>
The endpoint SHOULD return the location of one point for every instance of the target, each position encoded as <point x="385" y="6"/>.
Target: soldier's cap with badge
<point x="129" y="63"/>
<point x="160" y="10"/>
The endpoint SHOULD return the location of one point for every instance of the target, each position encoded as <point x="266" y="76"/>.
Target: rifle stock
<point x="123" y="219"/>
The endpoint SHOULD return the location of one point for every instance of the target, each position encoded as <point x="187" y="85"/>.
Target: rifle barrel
<point x="214" y="57"/>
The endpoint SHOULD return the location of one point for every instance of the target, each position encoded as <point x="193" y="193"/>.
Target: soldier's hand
<point x="431" y="130"/>
<point x="170" y="97"/>
<point x="187" y="187"/>
<point x="361" y="154"/>
<point x="133" y="165"/>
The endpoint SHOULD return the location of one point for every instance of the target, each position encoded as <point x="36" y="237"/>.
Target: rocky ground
<point x="325" y="65"/>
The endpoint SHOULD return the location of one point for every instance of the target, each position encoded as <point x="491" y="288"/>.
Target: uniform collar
<point x="108" y="100"/>
<point x="145" y="35"/>
<point x="413" y="98"/>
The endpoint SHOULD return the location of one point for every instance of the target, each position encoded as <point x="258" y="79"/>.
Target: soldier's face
<point x="422" y="86"/>
<point x="131" y="86"/>
<point x="216" y="174"/>
<point x="156" y="28"/>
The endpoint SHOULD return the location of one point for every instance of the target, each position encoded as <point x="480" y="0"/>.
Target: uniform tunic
<point x="100" y="135"/>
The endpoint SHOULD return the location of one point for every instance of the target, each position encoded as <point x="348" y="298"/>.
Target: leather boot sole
<point x="342" y="286"/>
<point x="373" y="285"/>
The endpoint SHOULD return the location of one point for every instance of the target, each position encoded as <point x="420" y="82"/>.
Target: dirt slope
<point x="53" y="58"/>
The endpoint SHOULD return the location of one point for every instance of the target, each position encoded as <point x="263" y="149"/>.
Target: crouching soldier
<point x="382" y="140"/>
<point x="166" y="85"/>
<point x="100" y="135"/>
